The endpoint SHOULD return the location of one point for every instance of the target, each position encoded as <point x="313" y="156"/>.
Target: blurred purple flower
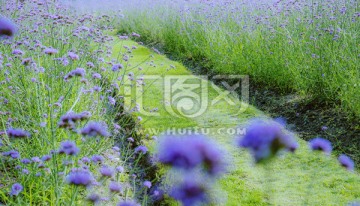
<point x="320" y="144"/>
<point x="12" y="153"/>
<point x="120" y="169"/>
<point x="128" y="203"/>
<point x="26" y="161"/>
<point x="16" y="189"/>
<point x="117" y="67"/>
<point x="95" y="129"/>
<point x="147" y="184"/>
<point x="73" y="56"/>
<point x="68" y="147"/>
<point x="94" y="198"/>
<point x="17" y="133"/>
<point x="97" y="159"/>
<point x="189" y="193"/>
<point x="35" y="159"/>
<point x="50" y="51"/>
<point x="265" y="138"/>
<point x="7" y="28"/>
<point x="115" y="187"/>
<point x="46" y="158"/>
<point x="79" y="177"/>
<point x="107" y="171"/>
<point x="189" y="152"/>
<point x="143" y="149"/>
<point x="346" y="162"/>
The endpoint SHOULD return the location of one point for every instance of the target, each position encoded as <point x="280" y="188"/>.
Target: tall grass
<point x="307" y="47"/>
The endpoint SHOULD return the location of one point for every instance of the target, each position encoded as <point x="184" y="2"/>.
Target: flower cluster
<point x="265" y="138"/>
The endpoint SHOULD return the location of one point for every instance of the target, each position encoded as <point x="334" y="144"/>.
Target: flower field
<point x="93" y="113"/>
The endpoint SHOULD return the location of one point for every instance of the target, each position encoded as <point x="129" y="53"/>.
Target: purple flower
<point x="120" y="169"/>
<point x="117" y="67"/>
<point x="346" y="162"/>
<point x="79" y="177"/>
<point x="96" y="76"/>
<point x="50" y="51"/>
<point x="25" y="161"/>
<point x="97" y="159"/>
<point x="320" y="144"/>
<point x="265" y="138"/>
<point x="147" y="184"/>
<point x="76" y="72"/>
<point x="94" y="198"/>
<point x="69" y="148"/>
<point x="115" y="187"/>
<point x="68" y="120"/>
<point x="116" y="149"/>
<point x="135" y="34"/>
<point x="17" y="52"/>
<point x="190" y="152"/>
<point x="16" y="189"/>
<point x="106" y="171"/>
<point x="7" y="28"/>
<point x="85" y="160"/>
<point x="177" y="153"/>
<point x="73" y="56"/>
<point x="17" y="133"/>
<point x="46" y="158"/>
<point x="189" y="193"/>
<point x="112" y="101"/>
<point x="12" y="153"/>
<point x="95" y="129"/>
<point x="35" y="159"/>
<point x="143" y="149"/>
<point x="90" y="64"/>
<point x="128" y="203"/>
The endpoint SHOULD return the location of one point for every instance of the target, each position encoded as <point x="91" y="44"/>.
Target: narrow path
<point x="290" y="180"/>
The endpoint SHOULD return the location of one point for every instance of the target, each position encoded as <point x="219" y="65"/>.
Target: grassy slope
<point x="290" y="180"/>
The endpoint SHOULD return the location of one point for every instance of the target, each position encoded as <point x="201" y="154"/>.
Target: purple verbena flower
<point x="73" y="56"/>
<point x="95" y="129"/>
<point x="106" y="171"/>
<point x="143" y="149"/>
<point x="94" y="198"/>
<point x="189" y="193"/>
<point x="26" y="161"/>
<point x="36" y="159"/>
<point x="97" y="159"/>
<point x="147" y="184"/>
<point x="320" y="144"/>
<point x="17" y="133"/>
<point x="12" y="153"/>
<point x="79" y="177"/>
<point x="115" y="187"/>
<point x="346" y="162"/>
<point x="117" y="67"/>
<point x="46" y="158"/>
<point x="69" y="148"/>
<point x="191" y="151"/>
<point x="265" y="138"/>
<point x="16" y="189"/>
<point x="7" y="28"/>
<point x="128" y="203"/>
<point x="50" y="51"/>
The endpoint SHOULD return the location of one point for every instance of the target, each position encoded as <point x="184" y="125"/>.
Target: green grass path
<point x="290" y="180"/>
